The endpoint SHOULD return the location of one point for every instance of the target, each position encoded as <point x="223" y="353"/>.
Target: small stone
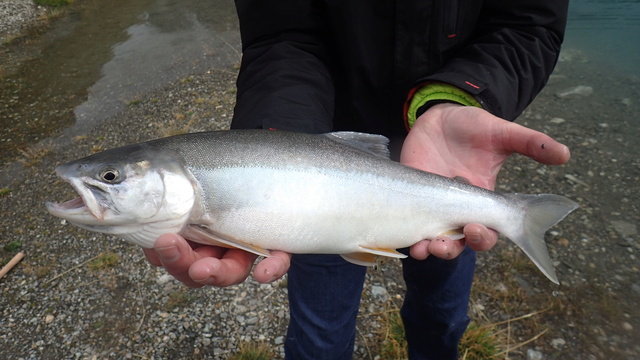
<point x="557" y="120"/>
<point x="627" y="326"/>
<point x="279" y="340"/>
<point x="377" y="290"/>
<point x="163" y="279"/>
<point x="624" y="228"/>
<point x="49" y="318"/>
<point x="558" y="343"/>
<point x="577" y="91"/>
<point x="534" y="355"/>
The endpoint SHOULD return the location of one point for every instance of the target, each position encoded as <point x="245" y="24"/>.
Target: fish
<point x="264" y="190"/>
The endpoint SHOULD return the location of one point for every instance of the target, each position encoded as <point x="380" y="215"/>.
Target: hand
<point x="197" y="265"/>
<point x="464" y="141"/>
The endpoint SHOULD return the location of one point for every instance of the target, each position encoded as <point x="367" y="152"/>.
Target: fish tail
<point x="541" y="212"/>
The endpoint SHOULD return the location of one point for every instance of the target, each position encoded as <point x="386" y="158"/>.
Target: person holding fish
<point x="443" y="80"/>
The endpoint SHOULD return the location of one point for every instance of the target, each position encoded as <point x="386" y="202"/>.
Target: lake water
<point x="608" y="32"/>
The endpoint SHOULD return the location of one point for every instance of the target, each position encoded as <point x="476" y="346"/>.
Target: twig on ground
<point x="15" y="260"/>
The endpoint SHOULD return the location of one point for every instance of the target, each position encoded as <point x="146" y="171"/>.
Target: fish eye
<point x="110" y="175"/>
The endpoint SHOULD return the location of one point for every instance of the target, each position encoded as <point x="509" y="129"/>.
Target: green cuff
<point x="437" y="91"/>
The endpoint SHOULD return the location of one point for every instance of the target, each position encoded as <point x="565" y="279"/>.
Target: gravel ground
<point x="17" y="16"/>
<point x="57" y="305"/>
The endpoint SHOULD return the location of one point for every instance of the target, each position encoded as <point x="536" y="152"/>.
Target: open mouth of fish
<point x="84" y="209"/>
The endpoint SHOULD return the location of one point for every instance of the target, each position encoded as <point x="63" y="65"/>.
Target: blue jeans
<point x="324" y="296"/>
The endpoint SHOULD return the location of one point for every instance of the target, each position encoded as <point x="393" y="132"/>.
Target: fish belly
<point x="328" y="211"/>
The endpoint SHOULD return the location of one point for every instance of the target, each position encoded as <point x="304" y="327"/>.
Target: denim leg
<point x="324" y="296"/>
<point x="435" y="307"/>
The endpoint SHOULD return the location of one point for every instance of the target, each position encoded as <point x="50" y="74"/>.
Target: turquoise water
<point x="608" y="32"/>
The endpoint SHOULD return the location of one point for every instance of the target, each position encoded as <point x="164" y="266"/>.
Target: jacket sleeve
<point x="508" y="56"/>
<point x="284" y="81"/>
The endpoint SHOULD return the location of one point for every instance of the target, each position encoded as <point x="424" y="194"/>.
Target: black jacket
<point x="317" y="66"/>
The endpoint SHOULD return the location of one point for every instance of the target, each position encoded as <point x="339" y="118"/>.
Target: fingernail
<point x="168" y="254"/>
<point x="474" y="237"/>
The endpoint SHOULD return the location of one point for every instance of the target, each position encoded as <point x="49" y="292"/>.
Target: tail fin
<point x="541" y="212"/>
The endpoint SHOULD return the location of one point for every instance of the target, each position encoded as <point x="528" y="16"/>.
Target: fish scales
<point x="262" y="190"/>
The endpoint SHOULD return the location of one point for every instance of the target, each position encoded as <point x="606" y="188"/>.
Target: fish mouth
<point x="85" y="209"/>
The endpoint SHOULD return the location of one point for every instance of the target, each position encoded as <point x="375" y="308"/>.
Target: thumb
<point x="534" y="144"/>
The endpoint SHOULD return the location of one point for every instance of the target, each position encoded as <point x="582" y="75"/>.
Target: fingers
<point x="479" y="237"/>
<point x="476" y="236"/>
<point x="175" y="254"/>
<point x="273" y="267"/>
<point x="233" y="268"/>
<point x="420" y="250"/>
<point x="206" y="265"/>
<point x="445" y="248"/>
<point x="536" y="145"/>
<point x="212" y="265"/>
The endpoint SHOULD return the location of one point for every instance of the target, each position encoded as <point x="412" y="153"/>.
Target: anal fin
<point x="360" y="258"/>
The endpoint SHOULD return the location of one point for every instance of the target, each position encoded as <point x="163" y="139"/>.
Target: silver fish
<point x="261" y="190"/>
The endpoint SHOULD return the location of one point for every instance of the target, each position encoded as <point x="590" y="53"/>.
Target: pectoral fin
<point x="383" y="252"/>
<point x="204" y="235"/>
<point x="454" y="234"/>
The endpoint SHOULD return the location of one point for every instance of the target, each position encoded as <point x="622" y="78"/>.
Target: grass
<point x="177" y="128"/>
<point x="4" y="192"/>
<point x="53" y="3"/>
<point x="484" y="338"/>
<point x="392" y="343"/>
<point x="479" y="343"/>
<point x="12" y="246"/>
<point x="251" y="351"/>
<point x="104" y="261"/>
<point x="32" y="156"/>
<point x="179" y="298"/>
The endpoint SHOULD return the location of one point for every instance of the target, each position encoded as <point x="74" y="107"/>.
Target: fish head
<point x="138" y="192"/>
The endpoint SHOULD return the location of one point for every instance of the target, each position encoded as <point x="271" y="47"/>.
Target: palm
<point x="469" y="142"/>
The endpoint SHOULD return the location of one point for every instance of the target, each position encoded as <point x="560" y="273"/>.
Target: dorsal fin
<point x="371" y="143"/>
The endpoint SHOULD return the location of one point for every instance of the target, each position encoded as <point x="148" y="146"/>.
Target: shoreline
<point x="54" y="304"/>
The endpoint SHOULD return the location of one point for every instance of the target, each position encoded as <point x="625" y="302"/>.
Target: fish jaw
<point x="139" y="210"/>
<point x="85" y="209"/>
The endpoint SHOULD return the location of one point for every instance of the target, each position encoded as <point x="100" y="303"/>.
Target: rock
<point x="279" y="340"/>
<point x="558" y="343"/>
<point x="377" y="290"/>
<point x="534" y="355"/>
<point x="624" y="228"/>
<point x="49" y="319"/>
<point x="557" y="120"/>
<point x="627" y="326"/>
<point x="577" y="91"/>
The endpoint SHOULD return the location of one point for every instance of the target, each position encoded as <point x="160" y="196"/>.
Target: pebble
<point x="558" y="343"/>
<point x="576" y="91"/>
<point x="534" y="355"/>
<point x="380" y="291"/>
